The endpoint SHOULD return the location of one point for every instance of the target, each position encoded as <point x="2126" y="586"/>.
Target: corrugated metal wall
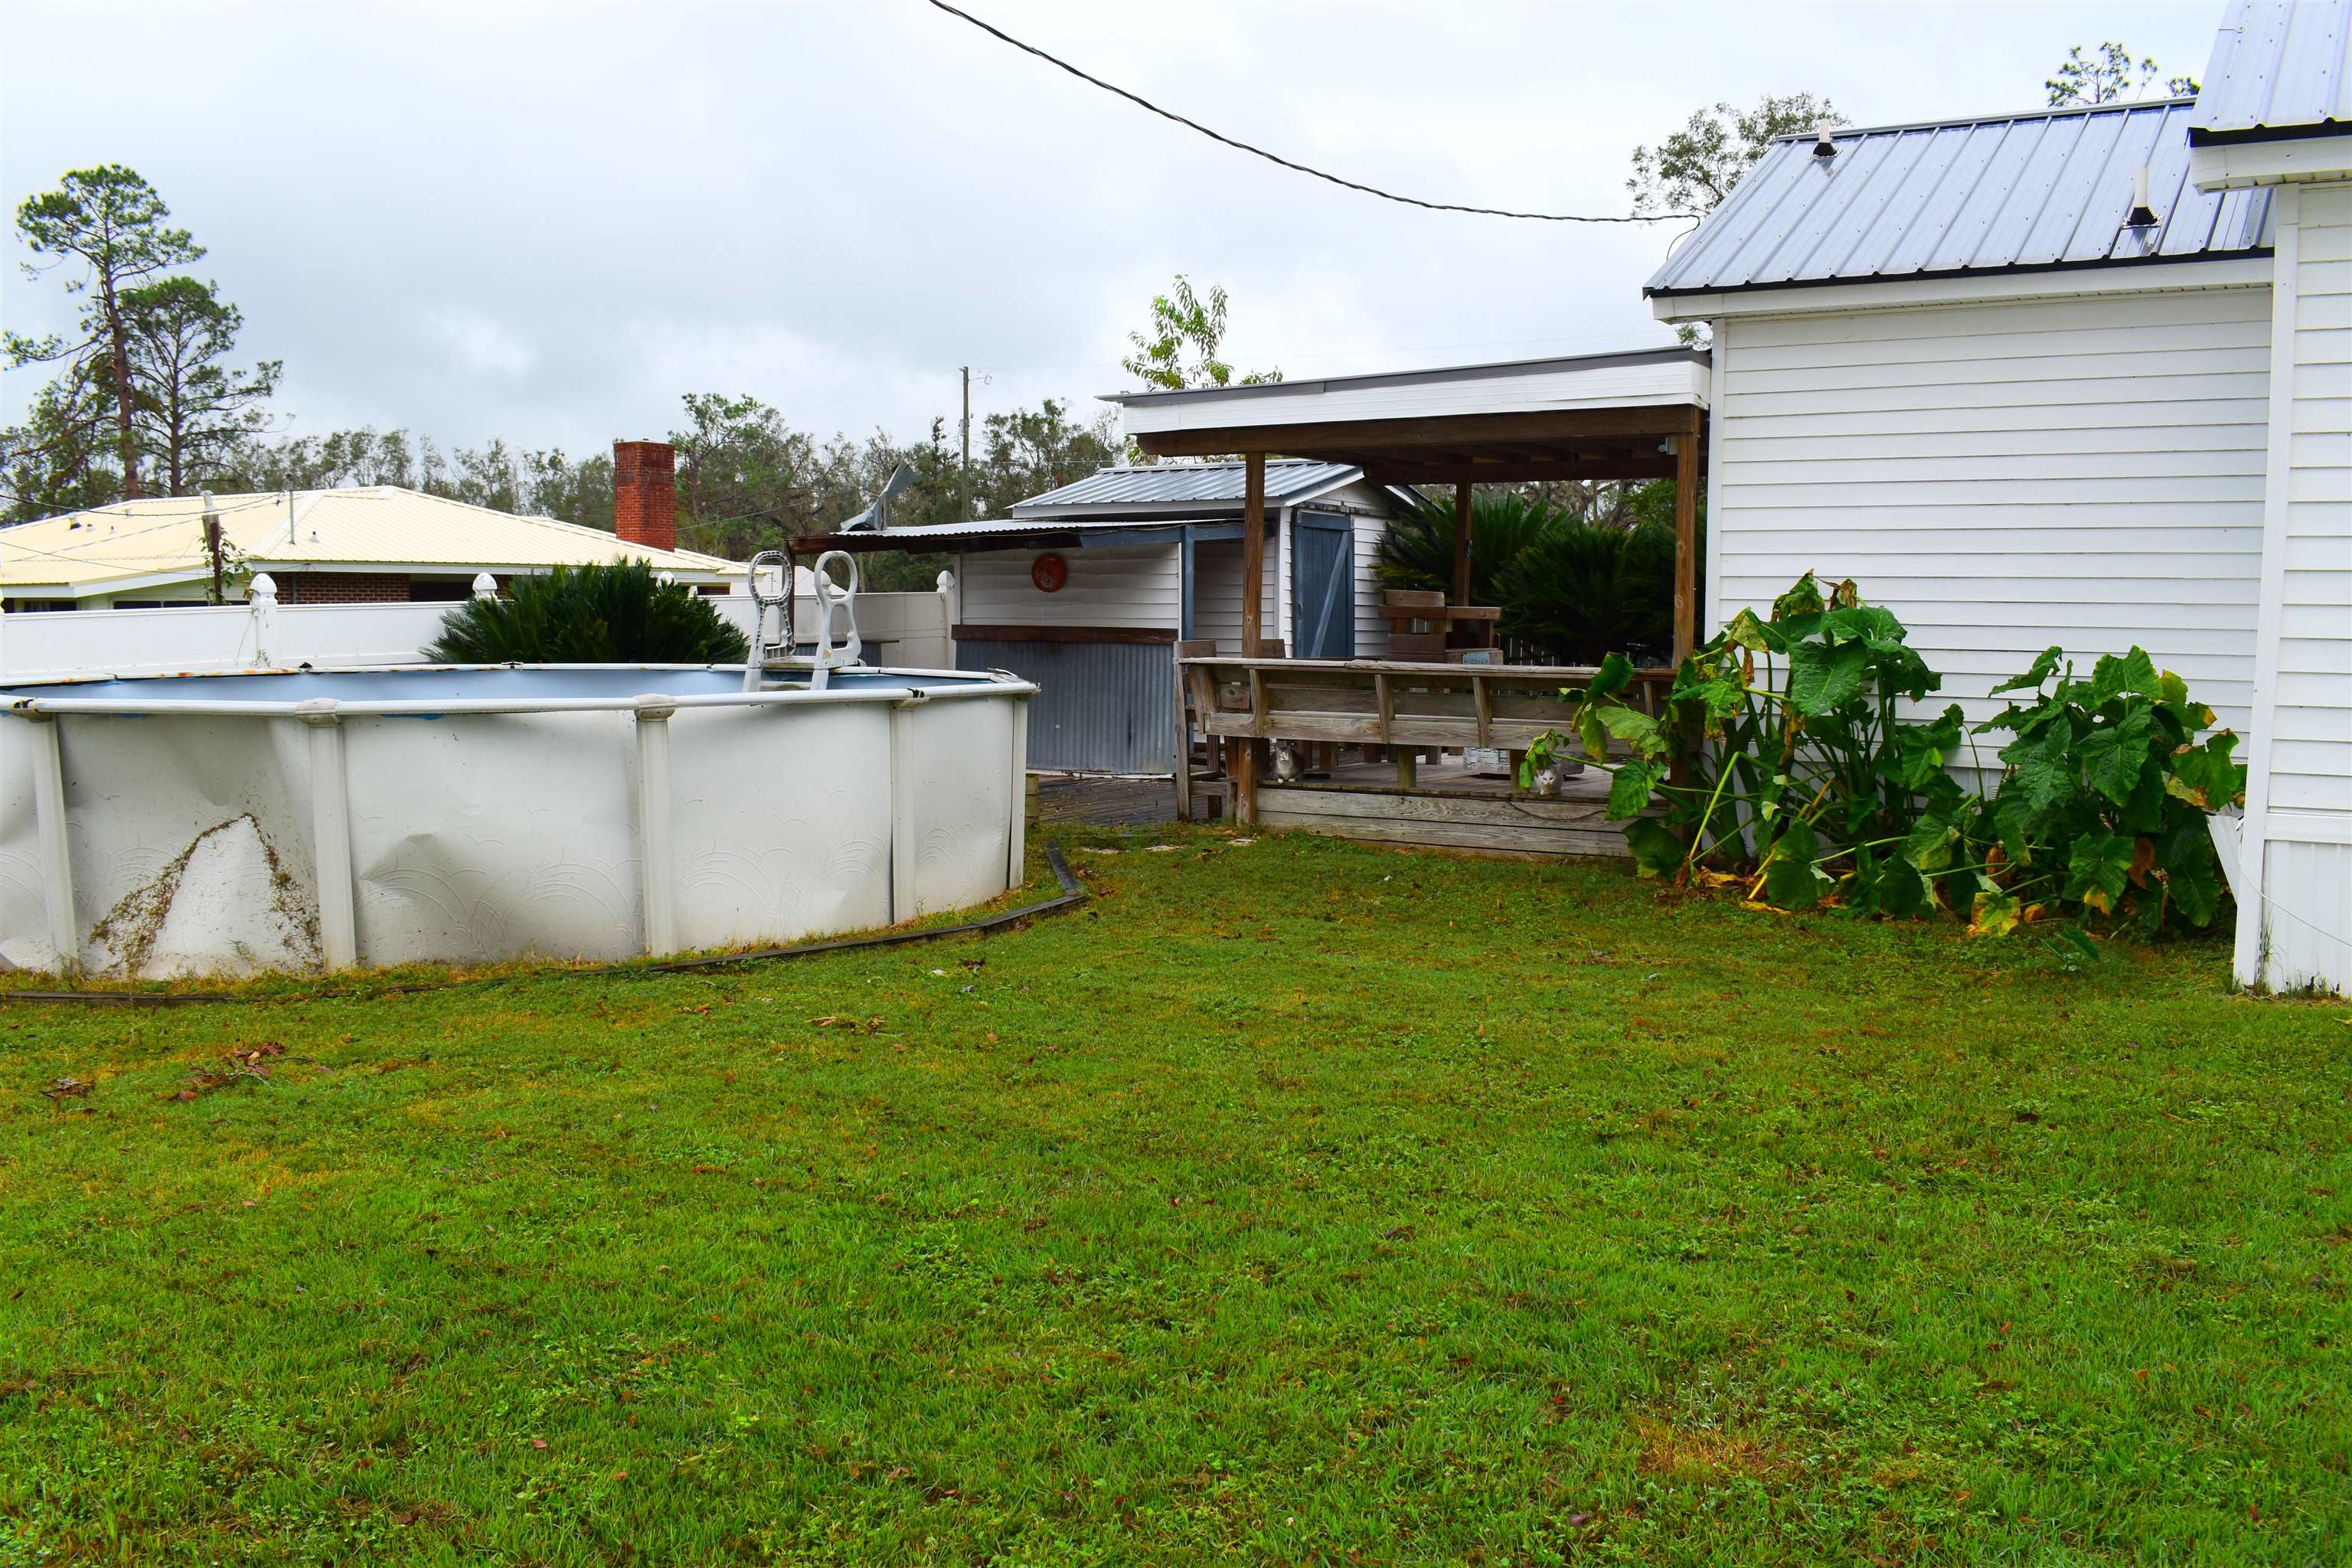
<point x="1099" y="708"/>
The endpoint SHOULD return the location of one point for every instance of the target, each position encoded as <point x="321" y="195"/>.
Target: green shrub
<point x="590" y="615"/>
<point x="1581" y="590"/>
<point x="1782" y="763"/>
<point x="1417" y="548"/>
<point x="1570" y="590"/>
<point x="2104" y="794"/>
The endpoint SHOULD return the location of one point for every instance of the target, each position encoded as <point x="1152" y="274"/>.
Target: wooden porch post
<point x="1252" y="555"/>
<point x="1244" y="757"/>
<point x="1687" y="480"/>
<point x="1462" y="544"/>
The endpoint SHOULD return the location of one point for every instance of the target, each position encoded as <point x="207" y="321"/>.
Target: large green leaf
<point x="2045" y="664"/>
<point x="1790" y="881"/>
<point x="2113" y="754"/>
<point x="2204" y="775"/>
<point x="2044" y="764"/>
<point x="1630" y="789"/>
<point x="1921" y="750"/>
<point x="2113" y="675"/>
<point x="1928" y="845"/>
<point x="1902" y="892"/>
<point x="2098" y="868"/>
<point x="2185" y="856"/>
<point x="1592" y="732"/>
<point x="1615" y="673"/>
<point x="1993" y="912"/>
<point x="1824" y="676"/>
<point x="1803" y="598"/>
<point x="2013" y="821"/>
<point x="2142" y="809"/>
<point x="1636" y="729"/>
<point x="1747" y="632"/>
<point x="1656" y="852"/>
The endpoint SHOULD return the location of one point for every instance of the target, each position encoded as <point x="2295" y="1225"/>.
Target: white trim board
<point x="2250" y="955"/>
<point x="2238" y="165"/>
<point x="1900" y="293"/>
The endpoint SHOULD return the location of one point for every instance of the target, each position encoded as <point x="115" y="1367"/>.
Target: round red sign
<point x="1049" y="573"/>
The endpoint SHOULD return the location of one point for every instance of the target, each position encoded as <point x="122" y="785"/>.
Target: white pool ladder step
<point x="775" y="660"/>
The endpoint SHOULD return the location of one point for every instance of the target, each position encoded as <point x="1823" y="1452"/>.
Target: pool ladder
<point x="776" y="659"/>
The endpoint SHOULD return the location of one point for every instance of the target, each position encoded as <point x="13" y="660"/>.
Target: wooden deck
<point x="1449" y="807"/>
<point x="1411" y="722"/>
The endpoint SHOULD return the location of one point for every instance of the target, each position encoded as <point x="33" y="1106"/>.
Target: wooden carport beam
<point x="1398" y="437"/>
<point x="1393" y="471"/>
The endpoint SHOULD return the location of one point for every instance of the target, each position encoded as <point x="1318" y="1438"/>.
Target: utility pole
<point x="967" y="445"/>
<point x="213" y="549"/>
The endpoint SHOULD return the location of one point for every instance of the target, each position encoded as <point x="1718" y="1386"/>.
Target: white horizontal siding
<point x="1133" y="586"/>
<point x="1217" y="593"/>
<point x="2311" y="738"/>
<point x="2083" y="472"/>
<point x="1372" y="629"/>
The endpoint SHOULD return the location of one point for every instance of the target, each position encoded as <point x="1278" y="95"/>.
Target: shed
<point x="1086" y="590"/>
<point x="2080" y="377"/>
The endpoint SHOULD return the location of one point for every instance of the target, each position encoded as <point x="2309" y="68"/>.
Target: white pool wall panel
<point x="498" y="836"/>
<point x="803" y="847"/>
<point x="481" y="837"/>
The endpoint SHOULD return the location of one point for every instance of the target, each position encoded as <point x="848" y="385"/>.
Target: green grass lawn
<point x="1295" y="1202"/>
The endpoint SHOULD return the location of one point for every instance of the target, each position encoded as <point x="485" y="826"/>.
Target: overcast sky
<point x="547" y="223"/>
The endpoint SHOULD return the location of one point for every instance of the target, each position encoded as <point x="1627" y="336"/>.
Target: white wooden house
<point x="2080" y="377"/>
<point x="1086" y="590"/>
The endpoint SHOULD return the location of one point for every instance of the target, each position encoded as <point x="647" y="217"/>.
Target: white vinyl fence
<point x="908" y="630"/>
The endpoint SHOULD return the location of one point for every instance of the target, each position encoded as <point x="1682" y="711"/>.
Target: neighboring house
<point x="1086" y="590"/>
<point x="2078" y="376"/>
<point x="377" y="544"/>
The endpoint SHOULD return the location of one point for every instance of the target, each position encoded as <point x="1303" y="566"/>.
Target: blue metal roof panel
<point x="1182" y="484"/>
<point x="2004" y="193"/>
<point x="2280" y="67"/>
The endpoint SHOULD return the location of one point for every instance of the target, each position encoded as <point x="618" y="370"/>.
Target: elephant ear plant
<point x="2102" y="806"/>
<point x="1785" y="764"/>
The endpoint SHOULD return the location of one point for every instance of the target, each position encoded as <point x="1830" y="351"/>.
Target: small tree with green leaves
<point x="1692" y="170"/>
<point x="619" y="613"/>
<point x="2107" y="74"/>
<point x="1179" y="353"/>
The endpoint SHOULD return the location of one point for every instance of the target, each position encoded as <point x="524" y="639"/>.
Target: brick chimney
<point x="644" y="493"/>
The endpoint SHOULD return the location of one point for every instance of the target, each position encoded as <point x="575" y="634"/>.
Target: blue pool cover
<point x="522" y="682"/>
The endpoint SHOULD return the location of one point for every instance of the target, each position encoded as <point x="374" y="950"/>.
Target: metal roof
<point x="943" y="535"/>
<point x="1183" y="484"/>
<point x="161" y="539"/>
<point x="2280" y="68"/>
<point x="2002" y="193"/>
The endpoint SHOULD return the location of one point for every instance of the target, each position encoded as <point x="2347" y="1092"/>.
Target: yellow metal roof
<point x="162" y="538"/>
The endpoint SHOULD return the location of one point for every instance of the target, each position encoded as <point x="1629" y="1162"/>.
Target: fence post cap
<point x="485" y="585"/>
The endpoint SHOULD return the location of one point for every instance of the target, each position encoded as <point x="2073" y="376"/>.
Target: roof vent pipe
<point x="1822" y="146"/>
<point x="2142" y="215"/>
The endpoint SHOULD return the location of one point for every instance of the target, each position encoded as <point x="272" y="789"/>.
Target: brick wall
<point x="644" y="493"/>
<point x="344" y="588"/>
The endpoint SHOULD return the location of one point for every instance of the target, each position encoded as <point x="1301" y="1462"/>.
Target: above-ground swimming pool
<point x="201" y="824"/>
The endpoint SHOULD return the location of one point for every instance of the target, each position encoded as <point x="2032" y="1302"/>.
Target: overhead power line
<point x="1142" y="103"/>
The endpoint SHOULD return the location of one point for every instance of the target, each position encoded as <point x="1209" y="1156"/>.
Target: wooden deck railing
<point x="1387" y="703"/>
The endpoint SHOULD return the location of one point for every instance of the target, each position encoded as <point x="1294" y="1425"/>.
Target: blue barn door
<point x="1322" y="586"/>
